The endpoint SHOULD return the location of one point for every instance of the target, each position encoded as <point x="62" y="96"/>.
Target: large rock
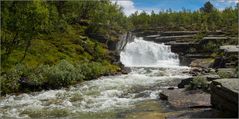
<point x="179" y="98"/>
<point x="230" y="48"/>
<point x="204" y="63"/>
<point x="187" y="81"/>
<point x="224" y="95"/>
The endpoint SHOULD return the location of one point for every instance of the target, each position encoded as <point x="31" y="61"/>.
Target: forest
<point x="54" y="44"/>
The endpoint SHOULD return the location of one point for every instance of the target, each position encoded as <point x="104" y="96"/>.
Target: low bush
<point x="63" y="74"/>
<point x="9" y="82"/>
<point x="198" y="82"/>
<point x="55" y="76"/>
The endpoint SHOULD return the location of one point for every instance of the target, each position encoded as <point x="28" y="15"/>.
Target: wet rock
<point x="125" y="70"/>
<point x="195" y="71"/>
<point x="211" y="77"/>
<point x="142" y="94"/>
<point x="180" y="98"/>
<point x="185" y="82"/>
<point x="224" y="95"/>
<point x="181" y="47"/>
<point x="204" y="63"/>
<point x="170" y="88"/>
<point x="163" y="96"/>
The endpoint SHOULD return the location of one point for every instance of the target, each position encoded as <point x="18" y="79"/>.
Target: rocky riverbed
<point x="209" y="63"/>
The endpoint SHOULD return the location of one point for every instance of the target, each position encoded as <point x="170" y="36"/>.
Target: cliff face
<point x="124" y="39"/>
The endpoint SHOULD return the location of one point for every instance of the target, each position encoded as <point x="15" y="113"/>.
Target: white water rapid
<point x="153" y="67"/>
<point x="142" y="53"/>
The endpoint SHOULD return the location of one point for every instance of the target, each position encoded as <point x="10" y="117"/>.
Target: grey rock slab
<point x="179" y="98"/>
<point x="230" y="48"/>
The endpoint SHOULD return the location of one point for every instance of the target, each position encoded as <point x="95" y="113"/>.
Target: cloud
<point x="128" y="6"/>
<point x="228" y="1"/>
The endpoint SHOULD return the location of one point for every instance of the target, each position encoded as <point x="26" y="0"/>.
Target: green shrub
<point x="9" y="82"/>
<point x="198" y="82"/>
<point x="39" y="74"/>
<point x="199" y="36"/>
<point x="56" y="76"/>
<point x="89" y="70"/>
<point x="93" y="70"/>
<point x="63" y="74"/>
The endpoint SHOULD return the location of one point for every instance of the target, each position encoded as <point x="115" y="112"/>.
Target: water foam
<point x="142" y="53"/>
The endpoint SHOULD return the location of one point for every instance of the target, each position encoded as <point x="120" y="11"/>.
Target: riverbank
<point x="212" y="56"/>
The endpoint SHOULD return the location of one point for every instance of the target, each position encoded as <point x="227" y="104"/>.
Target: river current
<point x="153" y="67"/>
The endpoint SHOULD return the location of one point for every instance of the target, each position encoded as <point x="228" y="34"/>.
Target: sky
<point x="130" y="6"/>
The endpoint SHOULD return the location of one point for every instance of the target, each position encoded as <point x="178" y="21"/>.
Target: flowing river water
<point x="153" y="67"/>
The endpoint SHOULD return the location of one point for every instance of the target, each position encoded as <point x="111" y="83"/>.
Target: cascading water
<point x="141" y="53"/>
<point x="153" y="66"/>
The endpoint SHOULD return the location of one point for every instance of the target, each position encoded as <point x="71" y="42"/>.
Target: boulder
<point x="185" y="82"/>
<point x="209" y="77"/>
<point x="125" y="70"/>
<point x="179" y="98"/>
<point x="204" y="63"/>
<point x="224" y="95"/>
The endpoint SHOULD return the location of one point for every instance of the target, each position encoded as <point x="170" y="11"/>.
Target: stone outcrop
<point x="224" y="95"/>
<point x="208" y="77"/>
<point x="179" y="98"/>
<point x="203" y="63"/>
<point x="230" y="48"/>
<point x="119" y="46"/>
<point x="124" y="39"/>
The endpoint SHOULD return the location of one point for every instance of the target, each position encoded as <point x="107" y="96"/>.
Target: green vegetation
<point x="57" y="43"/>
<point x="198" y="82"/>
<point x="56" y="76"/>
<point x="205" y="19"/>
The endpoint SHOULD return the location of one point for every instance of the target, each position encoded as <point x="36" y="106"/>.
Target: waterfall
<point x="142" y="53"/>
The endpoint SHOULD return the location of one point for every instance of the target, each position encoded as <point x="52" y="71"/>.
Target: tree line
<point x="207" y="18"/>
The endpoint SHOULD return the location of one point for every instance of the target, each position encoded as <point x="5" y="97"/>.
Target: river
<point x="153" y="67"/>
